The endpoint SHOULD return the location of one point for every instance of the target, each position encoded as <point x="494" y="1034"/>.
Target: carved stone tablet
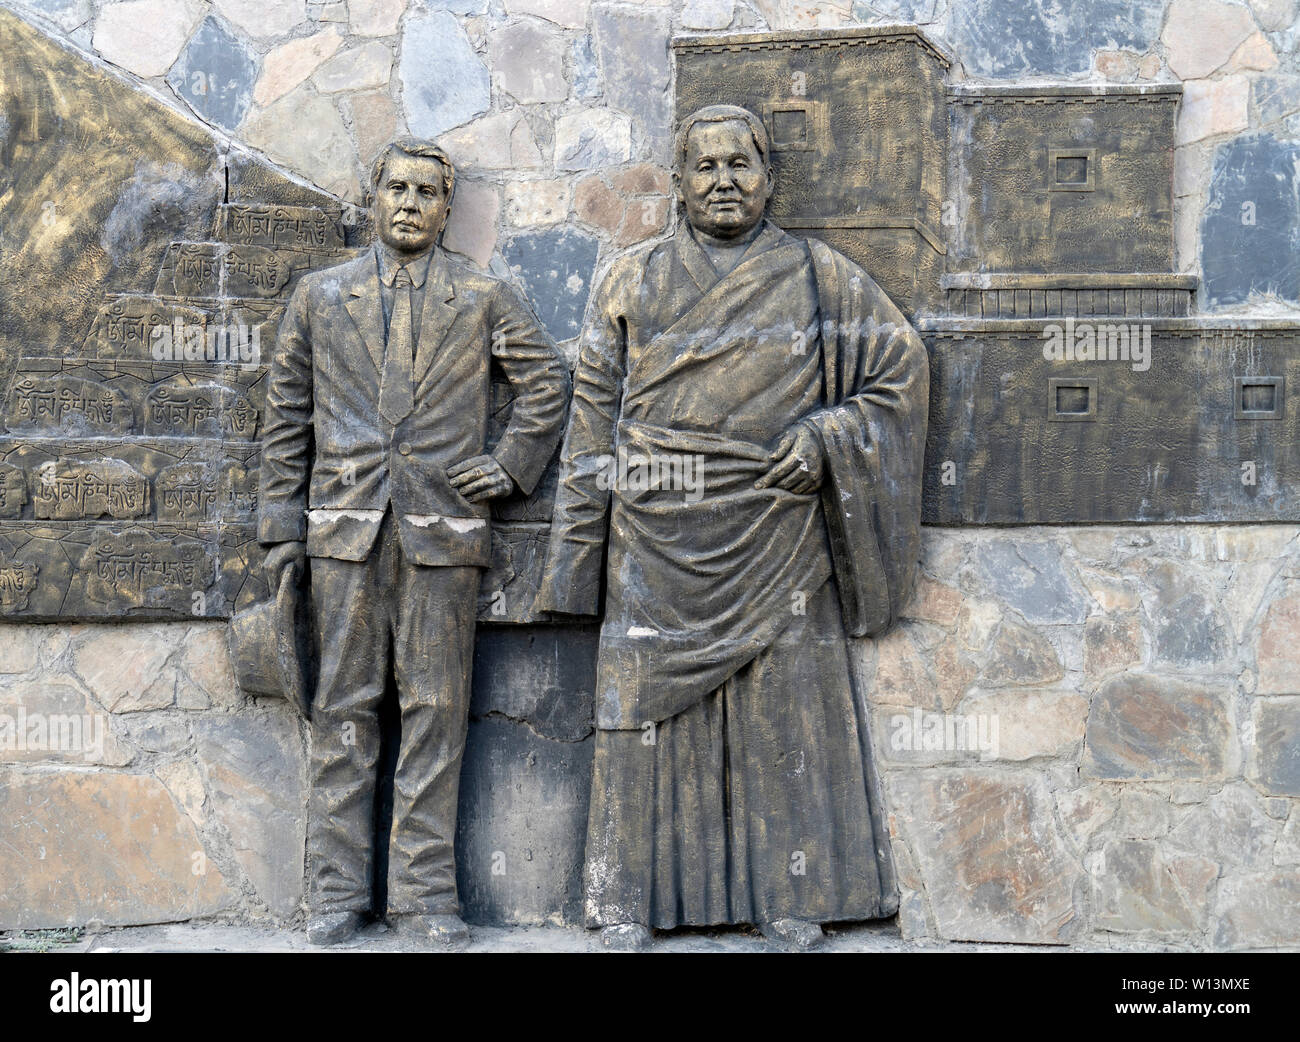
<point x="188" y="492"/>
<point x="190" y="269"/>
<point x="254" y="271"/>
<point x="13" y="491"/>
<point x="307" y="227"/>
<point x="17" y="581"/>
<point x="200" y="410"/>
<point x="66" y="405"/>
<point x="64" y="490"/>
<point x="138" y="569"/>
<point x="126" y="324"/>
<point x="238" y="489"/>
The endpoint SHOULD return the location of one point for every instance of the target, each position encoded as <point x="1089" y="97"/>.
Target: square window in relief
<point x="795" y="126"/>
<point x="1071" y="170"/>
<point x="789" y="128"/>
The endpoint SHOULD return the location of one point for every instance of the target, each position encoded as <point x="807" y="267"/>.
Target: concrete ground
<point x="211" y="937"/>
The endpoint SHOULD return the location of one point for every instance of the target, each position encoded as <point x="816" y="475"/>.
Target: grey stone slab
<point x="585" y="69"/>
<point x="1259" y="911"/>
<point x="555" y="267"/>
<point x="522" y="825"/>
<point x="919" y="11"/>
<point x="109" y="846"/>
<point x="1020" y="656"/>
<point x="456" y="6"/>
<point x="215" y="74"/>
<point x="1229" y="826"/>
<point x="1276" y="756"/>
<point x="47" y="721"/>
<point x="993" y="862"/>
<point x="1032" y="579"/>
<point x="632" y="45"/>
<point x="157" y="732"/>
<point x="1020" y="37"/>
<point x="52" y="7"/>
<point x="1156" y="727"/>
<point x="1250" y="231"/>
<point x="254" y="763"/>
<point x="444" y="83"/>
<point x="1141" y="889"/>
<point x="1191" y="633"/>
<point x="1274" y="97"/>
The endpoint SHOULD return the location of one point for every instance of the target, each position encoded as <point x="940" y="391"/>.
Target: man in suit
<point x="374" y="466"/>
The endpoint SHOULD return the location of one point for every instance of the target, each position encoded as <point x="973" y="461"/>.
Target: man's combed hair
<point x="721" y="114"/>
<point x="420" y="148"/>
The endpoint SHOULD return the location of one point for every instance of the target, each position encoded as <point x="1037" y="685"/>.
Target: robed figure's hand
<point x="797" y="462"/>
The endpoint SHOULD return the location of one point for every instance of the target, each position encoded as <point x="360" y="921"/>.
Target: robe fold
<point x="685" y="373"/>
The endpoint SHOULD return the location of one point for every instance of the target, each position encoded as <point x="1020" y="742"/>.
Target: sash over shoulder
<point x="873" y="432"/>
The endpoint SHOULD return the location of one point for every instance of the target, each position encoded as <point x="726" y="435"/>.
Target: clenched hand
<point x="479" y="478"/>
<point x="797" y="462"/>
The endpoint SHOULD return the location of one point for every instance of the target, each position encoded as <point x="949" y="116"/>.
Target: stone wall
<point x="1144" y="681"/>
<point x="1085" y="734"/>
<point x="1133" y="690"/>
<point x="559" y="111"/>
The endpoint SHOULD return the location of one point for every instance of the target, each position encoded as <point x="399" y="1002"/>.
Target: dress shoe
<point x="445" y="931"/>
<point x="333" y="927"/>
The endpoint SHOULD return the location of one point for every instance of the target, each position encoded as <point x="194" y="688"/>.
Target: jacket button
<point x="404" y="448"/>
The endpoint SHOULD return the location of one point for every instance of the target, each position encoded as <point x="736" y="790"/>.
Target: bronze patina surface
<point x="746" y="435"/>
<point x="144" y="269"/>
<point x="374" y="466"/>
<point x="1027" y="229"/>
<point x="1024" y="231"/>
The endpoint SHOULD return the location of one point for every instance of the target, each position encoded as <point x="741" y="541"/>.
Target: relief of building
<point x="1028" y="231"/>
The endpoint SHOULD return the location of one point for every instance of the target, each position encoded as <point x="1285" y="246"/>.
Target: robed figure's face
<point x="724" y="183"/>
<point x="410" y="203"/>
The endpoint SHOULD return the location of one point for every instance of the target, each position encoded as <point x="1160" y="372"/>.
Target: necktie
<point x="396" y="396"/>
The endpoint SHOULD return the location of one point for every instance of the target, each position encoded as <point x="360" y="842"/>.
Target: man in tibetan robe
<point x="742" y="468"/>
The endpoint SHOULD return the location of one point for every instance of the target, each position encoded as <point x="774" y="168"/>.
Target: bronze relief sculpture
<point x="742" y="470"/>
<point x="374" y="468"/>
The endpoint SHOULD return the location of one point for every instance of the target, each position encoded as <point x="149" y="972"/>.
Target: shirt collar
<point x="418" y="268"/>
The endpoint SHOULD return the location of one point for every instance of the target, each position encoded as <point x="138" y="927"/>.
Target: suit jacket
<point x="332" y="464"/>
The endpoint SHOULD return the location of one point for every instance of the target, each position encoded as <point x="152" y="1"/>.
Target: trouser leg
<point x="352" y="634"/>
<point x="432" y="660"/>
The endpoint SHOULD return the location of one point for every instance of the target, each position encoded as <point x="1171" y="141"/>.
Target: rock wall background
<point x="1145" y="680"/>
<point x="1145" y="787"/>
<point x="557" y="111"/>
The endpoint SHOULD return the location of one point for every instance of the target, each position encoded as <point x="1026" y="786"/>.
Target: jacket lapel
<point x="437" y="315"/>
<point x="364" y="304"/>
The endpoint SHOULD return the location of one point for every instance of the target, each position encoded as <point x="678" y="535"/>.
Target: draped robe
<point x="732" y="777"/>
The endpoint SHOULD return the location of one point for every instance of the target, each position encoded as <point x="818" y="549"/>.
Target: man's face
<point x="723" y="181"/>
<point x="410" y="203"/>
